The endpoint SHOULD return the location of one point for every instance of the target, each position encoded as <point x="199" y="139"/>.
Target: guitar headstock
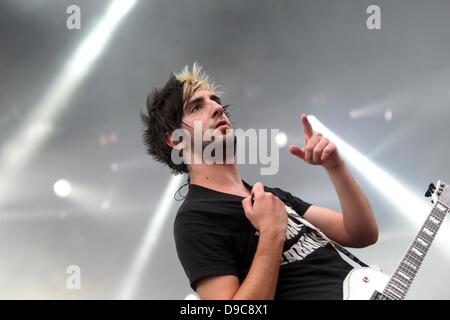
<point x="439" y="192"/>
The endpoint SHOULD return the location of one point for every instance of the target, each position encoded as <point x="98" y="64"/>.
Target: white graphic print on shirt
<point x="300" y="240"/>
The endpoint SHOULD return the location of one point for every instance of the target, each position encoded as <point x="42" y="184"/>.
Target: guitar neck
<point x="404" y="274"/>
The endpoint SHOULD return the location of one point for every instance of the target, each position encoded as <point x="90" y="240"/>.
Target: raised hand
<point x="317" y="149"/>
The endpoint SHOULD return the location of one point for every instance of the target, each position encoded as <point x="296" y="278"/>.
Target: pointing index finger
<point x="308" y="130"/>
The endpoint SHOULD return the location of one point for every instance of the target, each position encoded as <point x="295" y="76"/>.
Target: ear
<point x="169" y="141"/>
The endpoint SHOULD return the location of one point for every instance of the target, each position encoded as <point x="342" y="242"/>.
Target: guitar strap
<point x="336" y="245"/>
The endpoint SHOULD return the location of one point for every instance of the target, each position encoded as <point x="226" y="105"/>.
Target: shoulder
<point x="195" y="215"/>
<point x="294" y="201"/>
<point x="188" y="211"/>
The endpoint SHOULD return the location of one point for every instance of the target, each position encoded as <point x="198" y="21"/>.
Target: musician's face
<point x="205" y="107"/>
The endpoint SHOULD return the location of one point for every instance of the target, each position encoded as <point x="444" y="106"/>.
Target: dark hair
<point x="163" y="115"/>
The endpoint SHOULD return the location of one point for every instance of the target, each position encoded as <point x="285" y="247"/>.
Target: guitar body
<point x="361" y="283"/>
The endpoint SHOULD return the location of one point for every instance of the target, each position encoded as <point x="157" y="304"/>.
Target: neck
<point x="222" y="177"/>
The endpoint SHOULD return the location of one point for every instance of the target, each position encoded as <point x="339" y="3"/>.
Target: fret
<point x="408" y="278"/>
<point x="400" y="293"/>
<point x="422" y="243"/>
<point x="409" y="260"/>
<point x="412" y="259"/>
<point x="426" y="237"/>
<point x="428" y="232"/>
<point x="435" y="220"/>
<point x="411" y="265"/>
<point x="389" y="295"/>
<point x="399" y="282"/>
<point x="396" y="289"/>
<point x="437" y="215"/>
<point x="406" y="268"/>
<point x="431" y="226"/>
<point x="391" y="292"/>
<point x="416" y="256"/>
<point x="404" y="271"/>
<point x="405" y="279"/>
<point x="417" y="252"/>
<point x="418" y="246"/>
<point x="441" y="208"/>
<point x="404" y="276"/>
<point x="396" y="295"/>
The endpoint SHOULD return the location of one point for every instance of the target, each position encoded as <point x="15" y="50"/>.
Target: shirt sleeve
<point x="298" y="205"/>
<point x="204" y="252"/>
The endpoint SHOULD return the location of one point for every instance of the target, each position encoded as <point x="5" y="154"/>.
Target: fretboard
<point x="404" y="274"/>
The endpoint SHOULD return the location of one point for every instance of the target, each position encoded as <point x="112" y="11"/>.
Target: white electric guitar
<point x="371" y="284"/>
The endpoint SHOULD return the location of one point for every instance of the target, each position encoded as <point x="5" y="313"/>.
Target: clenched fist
<point x="268" y="213"/>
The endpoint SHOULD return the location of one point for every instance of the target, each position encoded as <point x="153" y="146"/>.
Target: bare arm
<point x="269" y="217"/>
<point x="260" y="282"/>
<point x="356" y="225"/>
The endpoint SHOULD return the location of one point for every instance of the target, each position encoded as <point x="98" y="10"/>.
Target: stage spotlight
<point x="281" y="139"/>
<point x="388" y="115"/>
<point x="62" y="188"/>
<point x="106" y="205"/>
<point x="114" y="167"/>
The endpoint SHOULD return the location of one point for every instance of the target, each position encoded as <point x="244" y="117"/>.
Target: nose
<point x="217" y="110"/>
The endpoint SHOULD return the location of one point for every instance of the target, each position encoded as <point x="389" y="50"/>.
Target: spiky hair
<point x="194" y="81"/>
<point x="165" y="111"/>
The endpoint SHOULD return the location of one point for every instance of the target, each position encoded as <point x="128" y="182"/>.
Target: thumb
<point x="247" y="205"/>
<point x="296" y="151"/>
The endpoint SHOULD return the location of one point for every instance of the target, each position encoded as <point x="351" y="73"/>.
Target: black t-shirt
<point x="214" y="237"/>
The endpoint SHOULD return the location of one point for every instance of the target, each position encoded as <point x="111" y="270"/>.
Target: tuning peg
<point x="431" y="186"/>
<point x="428" y="194"/>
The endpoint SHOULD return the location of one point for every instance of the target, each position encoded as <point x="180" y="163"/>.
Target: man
<point x="237" y="241"/>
